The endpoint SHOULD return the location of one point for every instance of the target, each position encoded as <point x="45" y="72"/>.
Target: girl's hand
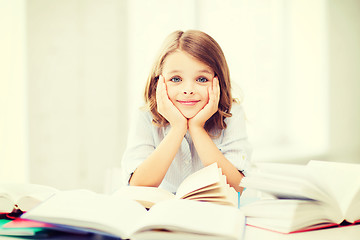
<point x="167" y="109"/>
<point x="209" y="109"/>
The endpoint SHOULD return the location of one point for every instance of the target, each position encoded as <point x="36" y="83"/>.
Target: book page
<point x="353" y="211"/>
<point x="204" y="177"/>
<point x="27" y="195"/>
<point x="220" y="192"/>
<point x="212" y="193"/>
<point x="188" y="216"/>
<point x="6" y="202"/>
<point x="85" y="209"/>
<point x="285" y="187"/>
<point x="147" y="196"/>
<point x="232" y="196"/>
<point x="171" y="235"/>
<point x="340" y="180"/>
<point x="287" y="215"/>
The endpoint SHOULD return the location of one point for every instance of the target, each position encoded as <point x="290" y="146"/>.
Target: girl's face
<point x="187" y="82"/>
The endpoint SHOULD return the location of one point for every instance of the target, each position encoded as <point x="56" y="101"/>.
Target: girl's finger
<point x="162" y="88"/>
<point x="212" y="95"/>
<point x="158" y="87"/>
<point x="213" y="90"/>
<point x="216" y="87"/>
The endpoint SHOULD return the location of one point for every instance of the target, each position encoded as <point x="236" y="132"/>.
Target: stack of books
<point x="300" y="198"/>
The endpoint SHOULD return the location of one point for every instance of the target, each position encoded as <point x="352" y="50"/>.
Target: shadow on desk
<point x="251" y="233"/>
<point x="344" y="233"/>
<point x="65" y="236"/>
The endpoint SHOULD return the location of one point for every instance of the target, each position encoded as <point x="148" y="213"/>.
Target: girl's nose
<point x="188" y="92"/>
<point x="188" y="87"/>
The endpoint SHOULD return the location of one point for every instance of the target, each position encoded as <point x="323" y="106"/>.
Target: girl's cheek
<point x="206" y="92"/>
<point x="171" y="93"/>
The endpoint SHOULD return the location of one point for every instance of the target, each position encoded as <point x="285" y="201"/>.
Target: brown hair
<point x="205" y="49"/>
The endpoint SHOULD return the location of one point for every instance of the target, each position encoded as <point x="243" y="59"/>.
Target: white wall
<point x="77" y="90"/>
<point x="13" y="92"/>
<point x="344" y="73"/>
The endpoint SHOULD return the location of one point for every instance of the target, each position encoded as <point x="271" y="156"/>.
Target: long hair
<point x="205" y="49"/>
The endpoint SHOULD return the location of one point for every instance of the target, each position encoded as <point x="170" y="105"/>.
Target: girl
<point x="191" y="119"/>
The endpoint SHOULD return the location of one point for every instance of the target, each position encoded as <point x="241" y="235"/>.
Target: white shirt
<point x="144" y="137"/>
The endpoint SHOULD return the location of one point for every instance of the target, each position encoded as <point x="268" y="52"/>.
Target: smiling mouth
<point x="188" y="102"/>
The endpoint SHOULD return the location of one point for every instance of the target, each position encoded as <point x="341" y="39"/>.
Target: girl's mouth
<point x="188" y="102"/>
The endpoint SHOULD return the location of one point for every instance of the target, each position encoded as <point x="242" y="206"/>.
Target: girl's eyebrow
<point x="200" y="71"/>
<point x="174" y="71"/>
<point x="206" y="71"/>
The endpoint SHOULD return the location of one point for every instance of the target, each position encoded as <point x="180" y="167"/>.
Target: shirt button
<point x="187" y="162"/>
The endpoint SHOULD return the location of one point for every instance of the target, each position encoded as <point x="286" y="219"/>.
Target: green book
<point x="21" y="231"/>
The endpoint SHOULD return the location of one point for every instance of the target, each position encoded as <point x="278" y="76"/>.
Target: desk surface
<point x="343" y="233"/>
<point x="252" y="233"/>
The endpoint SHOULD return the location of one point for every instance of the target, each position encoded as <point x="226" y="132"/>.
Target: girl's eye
<point x="175" y="79"/>
<point x="202" y="80"/>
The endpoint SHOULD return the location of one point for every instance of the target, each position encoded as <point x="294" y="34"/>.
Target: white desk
<point x="252" y="233"/>
<point x="342" y="233"/>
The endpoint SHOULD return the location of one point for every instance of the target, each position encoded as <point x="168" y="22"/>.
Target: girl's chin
<point x="188" y="112"/>
<point x="188" y="115"/>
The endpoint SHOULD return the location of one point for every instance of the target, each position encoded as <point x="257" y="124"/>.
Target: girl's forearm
<point x="152" y="171"/>
<point x="209" y="154"/>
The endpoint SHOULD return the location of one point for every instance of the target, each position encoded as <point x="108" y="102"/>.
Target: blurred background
<point x="72" y="73"/>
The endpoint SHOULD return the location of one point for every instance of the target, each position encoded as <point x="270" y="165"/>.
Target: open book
<point x="87" y="211"/>
<point x="206" y="185"/>
<point x="22" y="196"/>
<point x="304" y="197"/>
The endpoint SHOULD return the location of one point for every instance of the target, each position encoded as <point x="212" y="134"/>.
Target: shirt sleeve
<point x="139" y="146"/>
<point x="234" y="145"/>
